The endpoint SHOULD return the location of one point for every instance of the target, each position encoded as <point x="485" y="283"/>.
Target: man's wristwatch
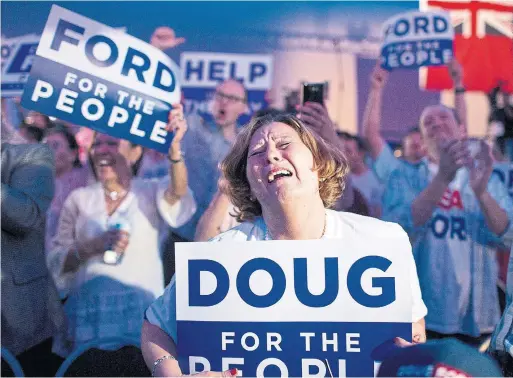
<point x="459" y="90"/>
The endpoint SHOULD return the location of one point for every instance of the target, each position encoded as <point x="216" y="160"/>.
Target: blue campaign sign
<point x="417" y="39"/>
<point x="202" y="72"/>
<point x="17" y="57"/>
<point x="96" y="76"/>
<point x="275" y="309"/>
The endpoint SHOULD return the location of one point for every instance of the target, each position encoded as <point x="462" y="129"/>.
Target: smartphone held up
<point x="313" y="92"/>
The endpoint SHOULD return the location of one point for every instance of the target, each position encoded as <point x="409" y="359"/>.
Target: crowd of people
<point x="89" y="222"/>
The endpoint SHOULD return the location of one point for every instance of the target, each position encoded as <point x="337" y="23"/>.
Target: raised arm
<point x="316" y="117"/>
<point x="211" y="222"/>
<point x="373" y="111"/>
<point x="29" y="193"/>
<point x="9" y="133"/>
<point x="178" y="183"/>
<point x="165" y="38"/>
<point x="460" y="103"/>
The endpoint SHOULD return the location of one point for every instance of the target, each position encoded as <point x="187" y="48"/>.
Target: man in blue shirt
<point x="384" y="161"/>
<point x="456" y="214"/>
<point x="207" y="143"/>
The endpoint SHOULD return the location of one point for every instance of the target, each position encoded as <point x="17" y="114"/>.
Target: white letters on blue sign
<point x="276" y="309"/>
<point x="114" y="83"/>
<point x="207" y="70"/>
<point x="109" y="54"/>
<point x="417" y="39"/>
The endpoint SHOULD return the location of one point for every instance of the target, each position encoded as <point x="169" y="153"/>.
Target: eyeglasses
<point x="223" y="96"/>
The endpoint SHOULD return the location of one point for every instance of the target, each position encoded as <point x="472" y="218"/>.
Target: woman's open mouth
<point x="105" y="161"/>
<point x="278" y="174"/>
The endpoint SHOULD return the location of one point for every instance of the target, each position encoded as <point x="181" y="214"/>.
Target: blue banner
<point x="417" y="39"/>
<point x="202" y="72"/>
<point x="17" y="58"/>
<point x="291" y="349"/>
<point x="92" y="75"/>
<point x="276" y="309"/>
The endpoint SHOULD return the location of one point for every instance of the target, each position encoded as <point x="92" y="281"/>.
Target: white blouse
<point x="100" y="295"/>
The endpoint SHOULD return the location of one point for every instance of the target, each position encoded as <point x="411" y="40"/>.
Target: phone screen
<point x="313" y="92"/>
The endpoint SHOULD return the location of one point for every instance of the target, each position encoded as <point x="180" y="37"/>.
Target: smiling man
<point x="456" y="214"/>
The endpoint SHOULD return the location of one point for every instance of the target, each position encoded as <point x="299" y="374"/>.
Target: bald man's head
<point x="439" y="124"/>
<point x="230" y="102"/>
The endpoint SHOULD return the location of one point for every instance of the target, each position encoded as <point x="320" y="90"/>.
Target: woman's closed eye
<point x="283" y="145"/>
<point x="256" y="152"/>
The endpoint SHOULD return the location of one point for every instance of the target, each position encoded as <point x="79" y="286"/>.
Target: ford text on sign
<point x="96" y="76"/>
<point x="275" y="308"/>
<point x="417" y="39"/>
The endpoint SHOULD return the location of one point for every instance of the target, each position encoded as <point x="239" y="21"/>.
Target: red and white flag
<point x="483" y="44"/>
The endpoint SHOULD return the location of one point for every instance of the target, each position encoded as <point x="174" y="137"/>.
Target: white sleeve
<point x="162" y="312"/>
<point x="179" y="213"/>
<point x="60" y="245"/>
<point x="419" y="309"/>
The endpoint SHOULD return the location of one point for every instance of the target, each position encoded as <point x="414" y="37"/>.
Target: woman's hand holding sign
<point x="227" y="373"/>
<point x="177" y="125"/>
<point x="456" y="72"/>
<point x="177" y="171"/>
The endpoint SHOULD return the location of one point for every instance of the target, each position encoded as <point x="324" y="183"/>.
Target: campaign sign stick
<point x="203" y="71"/>
<point x="92" y="75"/>
<point x="291" y="308"/>
<point x="416" y="39"/>
<point x="17" y="57"/>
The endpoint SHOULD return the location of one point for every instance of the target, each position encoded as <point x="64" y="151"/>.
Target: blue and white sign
<point x="203" y="71"/>
<point x="417" y="39"/>
<point x="17" y="57"/>
<point x="274" y="308"/>
<point x="96" y="76"/>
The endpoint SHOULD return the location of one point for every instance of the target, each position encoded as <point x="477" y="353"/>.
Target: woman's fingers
<point x="227" y="373"/>
<point x="176" y="118"/>
<point x="400" y="342"/>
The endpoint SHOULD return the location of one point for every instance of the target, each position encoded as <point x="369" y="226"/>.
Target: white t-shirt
<point x="339" y="225"/>
<point x="459" y="249"/>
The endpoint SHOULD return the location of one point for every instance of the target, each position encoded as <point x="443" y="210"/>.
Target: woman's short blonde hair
<point x="330" y="163"/>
